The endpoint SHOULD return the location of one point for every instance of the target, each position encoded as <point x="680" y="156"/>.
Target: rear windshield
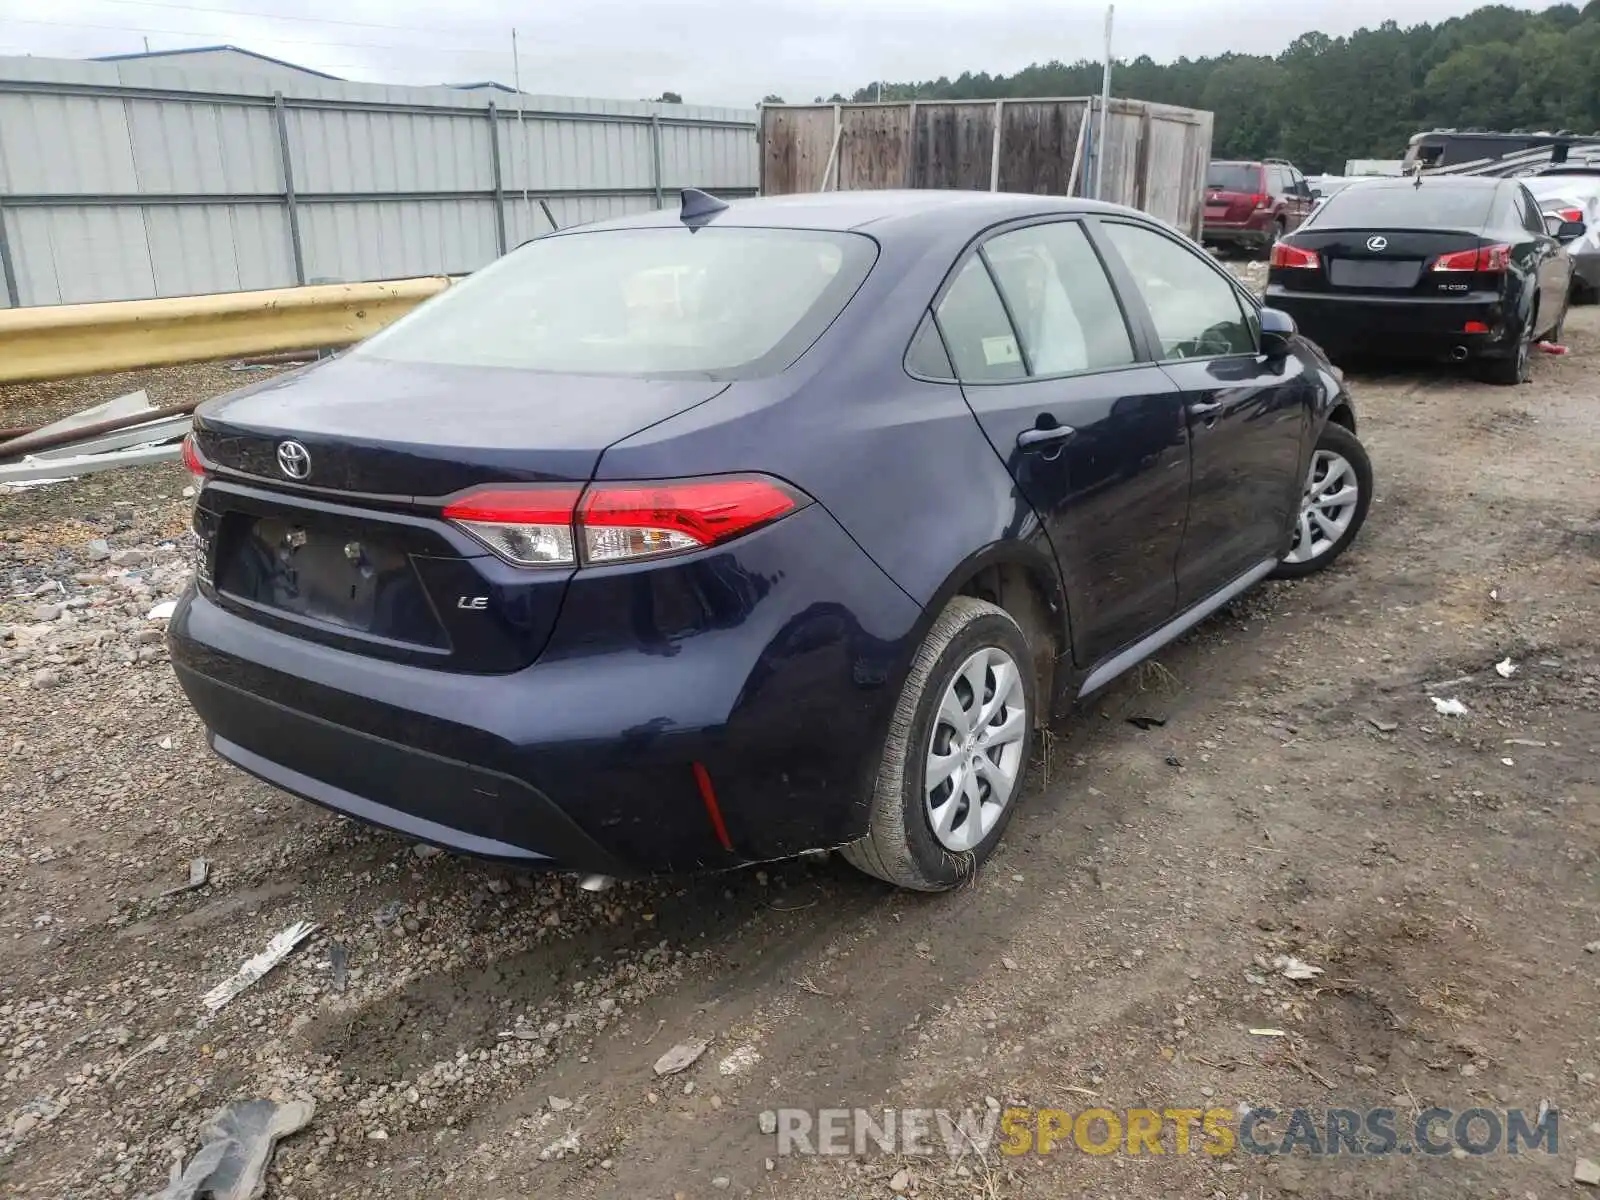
<point x="1408" y="207"/>
<point x="1233" y="177"/>
<point x="715" y="302"/>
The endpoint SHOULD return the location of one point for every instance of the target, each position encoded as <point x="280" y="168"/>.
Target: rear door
<point x="1094" y="437"/>
<point x="1300" y="197"/>
<point x="1553" y="264"/>
<point x="1248" y="417"/>
<point x="1282" y="195"/>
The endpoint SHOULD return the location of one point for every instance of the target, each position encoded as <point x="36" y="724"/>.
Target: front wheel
<point x="1333" y="505"/>
<point x="956" y="753"/>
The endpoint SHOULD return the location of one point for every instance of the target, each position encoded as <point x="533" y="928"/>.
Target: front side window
<point x="716" y="302"/>
<point x="1195" y="310"/>
<point x="1064" y="308"/>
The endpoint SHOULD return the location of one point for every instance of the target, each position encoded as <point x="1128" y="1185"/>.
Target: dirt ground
<point x="494" y="1033"/>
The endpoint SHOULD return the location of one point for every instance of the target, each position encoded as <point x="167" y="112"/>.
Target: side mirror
<point x="1277" y="329"/>
<point x="1570" y="231"/>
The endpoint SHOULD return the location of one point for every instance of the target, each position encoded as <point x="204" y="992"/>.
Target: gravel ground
<point x="469" y="1030"/>
<point x="28" y="404"/>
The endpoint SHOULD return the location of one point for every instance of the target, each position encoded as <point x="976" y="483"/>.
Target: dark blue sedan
<point x="717" y="535"/>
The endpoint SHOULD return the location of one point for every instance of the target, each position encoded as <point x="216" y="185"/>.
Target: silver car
<point x="1573" y="194"/>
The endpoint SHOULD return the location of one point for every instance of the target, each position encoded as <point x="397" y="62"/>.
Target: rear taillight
<point x="529" y="526"/>
<point x="641" y="520"/>
<point x="1294" y="257"/>
<point x="191" y="457"/>
<point x="561" y="525"/>
<point x="1570" y="214"/>
<point x="1485" y="259"/>
<point x="1260" y="200"/>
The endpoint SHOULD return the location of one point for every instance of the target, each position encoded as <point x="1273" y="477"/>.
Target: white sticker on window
<point x="999" y="351"/>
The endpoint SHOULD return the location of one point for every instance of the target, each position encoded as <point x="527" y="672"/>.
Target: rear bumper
<point x="773" y="664"/>
<point x="1250" y="233"/>
<point x="1406" y="326"/>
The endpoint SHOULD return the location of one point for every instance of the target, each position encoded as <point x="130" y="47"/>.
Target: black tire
<point x="1516" y="367"/>
<point x="1337" y="440"/>
<point x="1278" y="230"/>
<point x="900" y="845"/>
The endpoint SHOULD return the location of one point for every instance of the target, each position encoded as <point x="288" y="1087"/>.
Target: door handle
<point x="1205" y="408"/>
<point x="1032" y="439"/>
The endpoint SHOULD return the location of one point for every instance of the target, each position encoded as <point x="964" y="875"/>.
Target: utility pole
<point x="1101" y="143"/>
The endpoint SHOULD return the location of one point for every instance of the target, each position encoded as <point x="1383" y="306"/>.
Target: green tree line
<point x="1325" y="99"/>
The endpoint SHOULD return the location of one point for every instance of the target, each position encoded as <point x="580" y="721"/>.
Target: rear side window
<point x="1060" y="299"/>
<point x="982" y="344"/>
<point x="1430" y="205"/>
<point x="1528" y="211"/>
<point x="717" y="302"/>
<point x="927" y="358"/>
<point x="1233" y="177"/>
<point x="1195" y="310"/>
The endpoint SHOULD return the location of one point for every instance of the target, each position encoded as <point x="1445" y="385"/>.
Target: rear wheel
<point x="1333" y="504"/>
<point x="1516" y="367"/>
<point x="956" y="754"/>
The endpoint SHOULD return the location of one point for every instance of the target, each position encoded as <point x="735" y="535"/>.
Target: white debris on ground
<point x="90" y="609"/>
<point x="1295" y="968"/>
<point x="1252" y="272"/>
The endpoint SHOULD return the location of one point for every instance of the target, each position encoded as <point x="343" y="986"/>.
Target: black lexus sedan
<point x="719" y="534"/>
<point x="1455" y="268"/>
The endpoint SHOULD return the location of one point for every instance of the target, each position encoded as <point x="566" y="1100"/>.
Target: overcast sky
<point x="711" y="51"/>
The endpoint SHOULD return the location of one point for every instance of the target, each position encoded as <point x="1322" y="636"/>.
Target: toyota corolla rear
<point x="420" y="599"/>
<point x="1403" y="269"/>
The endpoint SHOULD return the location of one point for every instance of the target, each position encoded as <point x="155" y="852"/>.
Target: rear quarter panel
<point x="901" y="463"/>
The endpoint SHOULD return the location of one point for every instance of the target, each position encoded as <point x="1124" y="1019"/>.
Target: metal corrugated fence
<point x="123" y="181"/>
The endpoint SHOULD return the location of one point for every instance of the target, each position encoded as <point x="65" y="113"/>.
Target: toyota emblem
<point x="1377" y="243"/>
<point x="294" y="460"/>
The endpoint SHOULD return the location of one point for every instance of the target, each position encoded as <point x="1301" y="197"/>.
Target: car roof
<point x="848" y="210"/>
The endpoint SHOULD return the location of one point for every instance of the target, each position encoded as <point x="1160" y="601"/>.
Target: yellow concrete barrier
<point x="58" y="341"/>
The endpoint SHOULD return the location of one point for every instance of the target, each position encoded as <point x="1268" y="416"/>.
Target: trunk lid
<point x="1386" y="262"/>
<point x="412" y="431"/>
<point x="352" y="551"/>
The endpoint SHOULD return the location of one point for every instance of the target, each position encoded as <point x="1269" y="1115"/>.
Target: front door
<point x="1248" y="416"/>
<point x="1095" y="439"/>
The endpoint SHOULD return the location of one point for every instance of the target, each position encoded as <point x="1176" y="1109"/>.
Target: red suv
<point x="1253" y="203"/>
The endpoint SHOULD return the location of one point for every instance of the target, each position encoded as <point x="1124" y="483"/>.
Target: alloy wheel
<point x="1327" y="507"/>
<point x="975" y="750"/>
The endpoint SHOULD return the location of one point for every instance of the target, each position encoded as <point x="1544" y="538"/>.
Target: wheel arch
<point x="1022" y="580"/>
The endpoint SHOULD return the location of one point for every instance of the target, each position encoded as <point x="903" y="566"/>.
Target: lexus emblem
<point x="294" y="460"/>
<point x="1377" y="243"/>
